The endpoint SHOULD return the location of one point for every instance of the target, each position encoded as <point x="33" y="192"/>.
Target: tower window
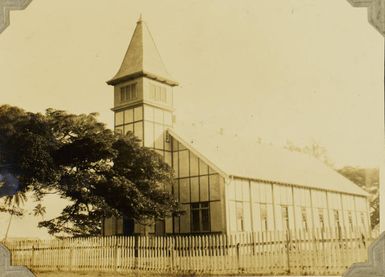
<point x="158" y="93"/>
<point x="128" y="93"/>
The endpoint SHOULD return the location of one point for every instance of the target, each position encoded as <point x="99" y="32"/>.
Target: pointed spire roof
<point x="142" y="59"/>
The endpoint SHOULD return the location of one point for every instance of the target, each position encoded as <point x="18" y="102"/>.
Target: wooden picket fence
<point x="329" y="252"/>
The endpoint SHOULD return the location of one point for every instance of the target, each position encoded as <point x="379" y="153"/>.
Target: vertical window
<point x="285" y="217"/>
<point x="134" y="91"/>
<point x="321" y="218"/>
<point x="122" y="94"/>
<point x="264" y="225"/>
<point x="128" y="93"/>
<point x="200" y="219"/>
<point x="337" y="222"/>
<point x="337" y="218"/>
<point x="240" y="217"/>
<point x="158" y="93"/>
<point x="350" y="220"/>
<point x="304" y="218"/>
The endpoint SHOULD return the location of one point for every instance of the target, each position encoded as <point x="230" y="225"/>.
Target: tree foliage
<point x="78" y="158"/>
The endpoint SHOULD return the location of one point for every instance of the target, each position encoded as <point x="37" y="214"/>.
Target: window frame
<point x="128" y="92"/>
<point x="240" y="216"/>
<point x="304" y="218"/>
<point x="200" y="207"/>
<point x="264" y="217"/>
<point x="285" y="217"/>
<point x="321" y="218"/>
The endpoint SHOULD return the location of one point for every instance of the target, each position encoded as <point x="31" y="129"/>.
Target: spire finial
<point x="140" y="18"/>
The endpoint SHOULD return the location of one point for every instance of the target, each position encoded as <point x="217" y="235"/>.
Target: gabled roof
<point x="142" y="59"/>
<point x="242" y="158"/>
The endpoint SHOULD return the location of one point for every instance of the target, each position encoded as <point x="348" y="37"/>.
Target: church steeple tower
<point x="143" y="93"/>
<point x="142" y="59"/>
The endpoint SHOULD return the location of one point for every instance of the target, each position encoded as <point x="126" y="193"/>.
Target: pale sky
<point x="298" y="70"/>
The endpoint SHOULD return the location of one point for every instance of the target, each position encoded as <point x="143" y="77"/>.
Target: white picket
<point x="317" y="252"/>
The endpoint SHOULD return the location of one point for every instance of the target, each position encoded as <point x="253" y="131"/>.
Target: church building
<point x="224" y="183"/>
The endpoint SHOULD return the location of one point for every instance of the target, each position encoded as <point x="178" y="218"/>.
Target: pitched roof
<point x="238" y="157"/>
<point x="142" y="59"/>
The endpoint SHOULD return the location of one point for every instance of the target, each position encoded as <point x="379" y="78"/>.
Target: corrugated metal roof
<point x="142" y="58"/>
<point x="241" y="157"/>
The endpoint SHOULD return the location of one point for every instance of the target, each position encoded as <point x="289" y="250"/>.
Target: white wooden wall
<point x="253" y="196"/>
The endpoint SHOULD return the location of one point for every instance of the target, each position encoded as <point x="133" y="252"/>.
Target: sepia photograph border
<point x="376" y="17"/>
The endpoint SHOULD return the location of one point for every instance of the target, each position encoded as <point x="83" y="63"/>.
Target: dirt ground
<point x="91" y="274"/>
<point x="73" y="274"/>
<point x="98" y="274"/>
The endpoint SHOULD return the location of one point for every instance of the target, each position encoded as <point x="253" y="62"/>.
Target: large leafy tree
<point x="75" y="156"/>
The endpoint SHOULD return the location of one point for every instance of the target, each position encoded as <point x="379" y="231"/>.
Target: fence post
<point x="117" y="257"/>
<point x="171" y="251"/>
<point x="136" y="251"/>
<point x="71" y="255"/>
